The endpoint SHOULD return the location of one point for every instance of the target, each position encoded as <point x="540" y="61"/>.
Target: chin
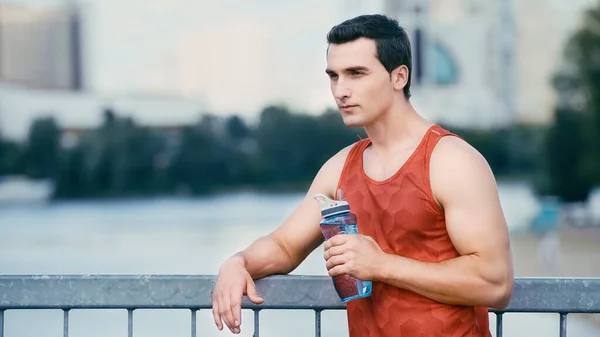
<point x="353" y="122"/>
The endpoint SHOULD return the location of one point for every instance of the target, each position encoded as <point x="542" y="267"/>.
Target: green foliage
<point x="284" y="150"/>
<point x="294" y="146"/>
<point x="565" y="152"/>
<point x="121" y="158"/>
<point x="511" y="152"/>
<point x="12" y="159"/>
<point x="42" y="149"/>
<point x="572" y="147"/>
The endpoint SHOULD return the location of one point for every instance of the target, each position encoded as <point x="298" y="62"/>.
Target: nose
<point x="341" y="91"/>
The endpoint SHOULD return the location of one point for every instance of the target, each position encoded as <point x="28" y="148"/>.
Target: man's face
<point x="360" y="84"/>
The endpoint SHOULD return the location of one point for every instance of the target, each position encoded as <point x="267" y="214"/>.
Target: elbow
<point x="499" y="283"/>
<point x="501" y="294"/>
<point x="283" y="258"/>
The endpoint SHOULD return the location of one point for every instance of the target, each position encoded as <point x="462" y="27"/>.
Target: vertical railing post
<point x="499" y="324"/>
<point x="1" y="322"/>
<point x="318" y="322"/>
<point x="256" y="323"/>
<point x="194" y="322"/>
<point x="130" y="322"/>
<point x="66" y="322"/>
<point x="563" y="324"/>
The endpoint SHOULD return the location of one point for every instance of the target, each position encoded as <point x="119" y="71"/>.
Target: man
<point x="432" y="235"/>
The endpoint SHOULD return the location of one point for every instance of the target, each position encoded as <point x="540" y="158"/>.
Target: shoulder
<point x="331" y="171"/>
<point x="337" y="161"/>
<point x="452" y="150"/>
<point x="457" y="167"/>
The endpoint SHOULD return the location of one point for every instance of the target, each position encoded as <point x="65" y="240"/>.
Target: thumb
<point x="252" y="293"/>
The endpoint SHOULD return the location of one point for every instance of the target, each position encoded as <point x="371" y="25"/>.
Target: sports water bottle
<point x="337" y="219"/>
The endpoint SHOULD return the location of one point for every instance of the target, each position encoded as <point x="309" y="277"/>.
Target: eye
<point x="355" y="73"/>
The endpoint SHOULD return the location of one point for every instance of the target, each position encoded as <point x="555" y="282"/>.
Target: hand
<point x="233" y="282"/>
<point x="354" y="254"/>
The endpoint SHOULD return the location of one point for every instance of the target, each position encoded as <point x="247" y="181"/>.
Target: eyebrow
<point x="347" y="70"/>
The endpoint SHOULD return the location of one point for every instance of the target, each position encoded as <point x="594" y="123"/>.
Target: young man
<point x="433" y="238"/>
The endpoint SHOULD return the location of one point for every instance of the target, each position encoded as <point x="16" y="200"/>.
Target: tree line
<point x="122" y="158"/>
<point x="283" y="151"/>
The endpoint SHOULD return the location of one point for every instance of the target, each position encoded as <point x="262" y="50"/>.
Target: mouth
<point x="347" y="106"/>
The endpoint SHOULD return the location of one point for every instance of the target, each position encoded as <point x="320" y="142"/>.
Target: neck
<point x="399" y="126"/>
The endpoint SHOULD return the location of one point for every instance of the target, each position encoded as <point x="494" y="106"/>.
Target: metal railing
<point x="131" y="292"/>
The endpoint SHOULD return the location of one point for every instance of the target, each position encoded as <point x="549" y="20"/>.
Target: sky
<point x="229" y="56"/>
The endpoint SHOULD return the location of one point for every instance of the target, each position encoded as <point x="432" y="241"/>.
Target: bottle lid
<point x="331" y="207"/>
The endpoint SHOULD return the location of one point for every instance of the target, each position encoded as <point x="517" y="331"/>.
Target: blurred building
<point x="40" y="47"/>
<point x="463" y="59"/>
<point x="486" y="63"/>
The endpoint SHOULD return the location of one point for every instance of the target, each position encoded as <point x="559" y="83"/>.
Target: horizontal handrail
<point x="559" y="295"/>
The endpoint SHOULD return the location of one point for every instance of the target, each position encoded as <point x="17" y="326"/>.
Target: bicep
<point x="465" y="186"/>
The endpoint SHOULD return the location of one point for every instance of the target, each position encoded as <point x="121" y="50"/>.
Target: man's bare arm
<point x="281" y="251"/>
<point x="482" y="275"/>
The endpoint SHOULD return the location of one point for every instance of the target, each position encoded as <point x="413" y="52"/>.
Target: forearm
<point x="264" y="257"/>
<point x="465" y="280"/>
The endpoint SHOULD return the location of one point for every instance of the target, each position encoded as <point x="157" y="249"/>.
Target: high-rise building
<point x="40" y="47"/>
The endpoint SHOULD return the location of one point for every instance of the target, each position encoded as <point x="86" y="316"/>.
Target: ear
<point x="399" y="77"/>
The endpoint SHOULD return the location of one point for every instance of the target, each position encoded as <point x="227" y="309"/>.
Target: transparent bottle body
<point x="347" y="287"/>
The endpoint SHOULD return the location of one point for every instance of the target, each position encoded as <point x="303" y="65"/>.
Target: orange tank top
<point x="401" y="214"/>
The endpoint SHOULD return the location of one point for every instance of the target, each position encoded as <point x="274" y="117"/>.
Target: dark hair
<point x="393" y="45"/>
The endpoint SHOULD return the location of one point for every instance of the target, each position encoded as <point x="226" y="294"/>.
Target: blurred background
<point x="161" y="137"/>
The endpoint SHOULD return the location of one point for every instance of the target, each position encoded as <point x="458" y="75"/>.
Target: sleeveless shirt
<point x="402" y="216"/>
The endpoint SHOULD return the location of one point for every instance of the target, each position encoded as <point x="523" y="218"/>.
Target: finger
<point x="327" y="245"/>
<point x="337" y="270"/>
<point x="234" y="304"/>
<point x="335" y="261"/>
<point x="224" y="309"/>
<point x="236" y="313"/>
<point x="223" y="305"/>
<point x="215" y="311"/>
<point x="337" y="240"/>
<point x="333" y="251"/>
<point x="252" y="293"/>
